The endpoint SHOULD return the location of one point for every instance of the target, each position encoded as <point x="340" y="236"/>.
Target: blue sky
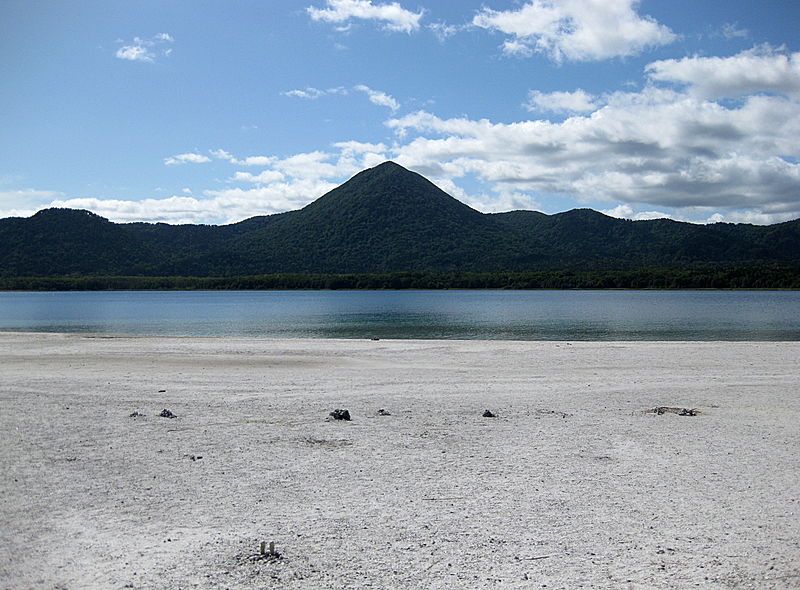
<point x="212" y="112"/>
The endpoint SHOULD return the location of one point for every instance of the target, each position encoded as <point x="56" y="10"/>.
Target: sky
<point x="181" y="111"/>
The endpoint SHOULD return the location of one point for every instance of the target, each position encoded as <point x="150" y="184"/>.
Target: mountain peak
<point x="389" y="165"/>
<point x="387" y="169"/>
<point x="389" y="190"/>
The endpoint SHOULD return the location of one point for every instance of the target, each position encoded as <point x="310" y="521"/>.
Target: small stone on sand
<point x="340" y="414"/>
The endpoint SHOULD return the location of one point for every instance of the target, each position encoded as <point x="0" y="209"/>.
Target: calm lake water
<point x="487" y="315"/>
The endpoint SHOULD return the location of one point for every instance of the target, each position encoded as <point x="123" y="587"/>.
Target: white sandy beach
<point x="572" y="485"/>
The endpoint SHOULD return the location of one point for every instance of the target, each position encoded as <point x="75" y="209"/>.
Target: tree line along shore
<point x="755" y="277"/>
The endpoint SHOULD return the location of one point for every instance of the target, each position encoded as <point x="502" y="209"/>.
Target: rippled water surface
<point x="488" y="315"/>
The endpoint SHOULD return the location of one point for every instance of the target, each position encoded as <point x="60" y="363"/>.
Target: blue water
<point x="485" y="315"/>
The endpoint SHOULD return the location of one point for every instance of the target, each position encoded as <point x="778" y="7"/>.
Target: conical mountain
<point x="384" y="219"/>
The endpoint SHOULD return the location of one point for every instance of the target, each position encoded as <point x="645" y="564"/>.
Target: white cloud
<point x="236" y="204"/>
<point x="145" y="49"/>
<point x="732" y="31"/>
<point x="248" y="161"/>
<point x="311" y="165"/>
<point x="308" y="93"/>
<point x="444" y="31"/>
<point x="394" y="16"/>
<point x="379" y="98"/>
<point x="27" y="196"/>
<point x="375" y="96"/>
<point x="134" y="53"/>
<point x="189" y="158"/>
<point x="628" y="212"/>
<point x="761" y="69"/>
<point x="175" y="209"/>
<point x="578" y="101"/>
<point x="265" y="177"/>
<point x="754" y="217"/>
<point x="223" y="206"/>
<point x="654" y="148"/>
<point x="24" y="202"/>
<point x="256" y="161"/>
<point x="358" y="147"/>
<point x="289" y="183"/>
<point x="575" y="30"/>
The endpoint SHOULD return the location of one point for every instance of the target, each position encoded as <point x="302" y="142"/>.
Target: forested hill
<point x="384" y="219"/>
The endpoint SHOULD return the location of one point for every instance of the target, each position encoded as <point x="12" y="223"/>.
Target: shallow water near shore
<point x="470" y="315"/>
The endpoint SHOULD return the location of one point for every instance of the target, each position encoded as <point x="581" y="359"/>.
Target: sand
<point x="572" y="485"/>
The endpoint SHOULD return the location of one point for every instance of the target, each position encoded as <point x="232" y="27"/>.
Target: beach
<point x="573" y="483"/>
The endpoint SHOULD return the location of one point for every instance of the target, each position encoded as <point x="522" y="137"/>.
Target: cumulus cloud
<point x="286" y="184"/>
<point x="575" y="30"/>
<point x="265" y="177"/>
<point x="189" y="158"/>
<point x="25" y="202"/>
<point x="578" y="101"/>
<point x="627" y="212"/>
<point x="215" y="206"/>
<point x="761" y="69"/>
<point x="175" y="209"/>
<point x="146" y="49"/>
<point x="661" y="148"/>
<point x="395" y="17"/>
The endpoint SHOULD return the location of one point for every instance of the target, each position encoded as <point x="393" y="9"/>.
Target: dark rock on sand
<point x="340" y="414"/>
<point x="383" y="412"/>
<point x="660" y="410"/>
<point x="165" y="413"/>
<point x="489" y="414"/>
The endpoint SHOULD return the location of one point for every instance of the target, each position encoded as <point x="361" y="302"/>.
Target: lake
<point x="486" y="315"/>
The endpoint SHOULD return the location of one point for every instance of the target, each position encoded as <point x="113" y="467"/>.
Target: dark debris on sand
<point x="660" y="410"/>
<point x="340" y="414"/>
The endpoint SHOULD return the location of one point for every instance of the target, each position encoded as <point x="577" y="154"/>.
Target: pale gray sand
<point x="571" y="486"/>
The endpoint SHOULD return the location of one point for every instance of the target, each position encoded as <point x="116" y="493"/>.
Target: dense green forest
<point x="388" y="227"/>
<point x="773" y="277"/>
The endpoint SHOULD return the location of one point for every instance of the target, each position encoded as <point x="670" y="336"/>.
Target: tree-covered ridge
<point x="709" y="277"/>
<point x="384" y="220"/>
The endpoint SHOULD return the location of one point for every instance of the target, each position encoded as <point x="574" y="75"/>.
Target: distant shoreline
<point x="771" y="277"/>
